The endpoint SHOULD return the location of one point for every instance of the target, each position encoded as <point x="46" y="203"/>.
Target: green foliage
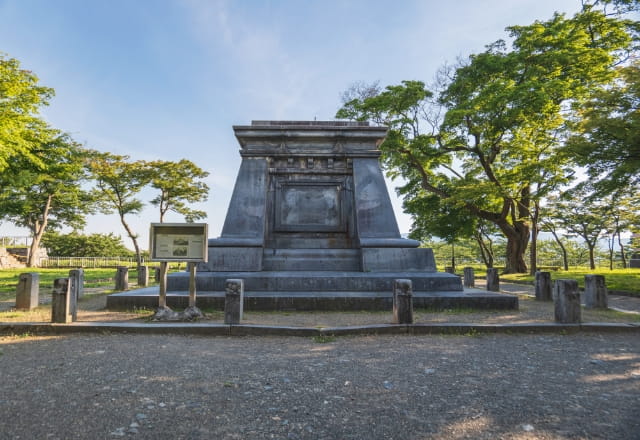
<point x="607" y="139"/>
<point x="20" y="100"/>
<point x="119" y="181"/>
<point x="79" y="245"/>
<point x="487" y="145"/>
<point x="178" y="184"/>
<point x="50" y="194"/>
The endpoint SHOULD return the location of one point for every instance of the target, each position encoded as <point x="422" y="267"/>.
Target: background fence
<point x="88" y="262"/>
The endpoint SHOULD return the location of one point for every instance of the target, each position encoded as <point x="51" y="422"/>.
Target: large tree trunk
<point x="622" y="253"/>
<point x="517" y="241"/>
<point x="533" y="266"/>
<point x="592" y="261"/>
<point x="37" y="230"/>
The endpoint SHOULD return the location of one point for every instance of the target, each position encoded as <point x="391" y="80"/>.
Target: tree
<point x="586" y="220"/>
<point x="607" y="139"/>
<point x="118" y="183"/>
<point x="46" y="193"/>
<point x="79" y="245"/>
<point x="489" y="144"/>
<point x="179" y="185"/>
<point x="20" y="99"/>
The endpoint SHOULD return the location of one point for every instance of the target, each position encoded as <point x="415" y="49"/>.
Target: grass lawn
<point x="92" y="278"/>
<point x="627" y="280"/>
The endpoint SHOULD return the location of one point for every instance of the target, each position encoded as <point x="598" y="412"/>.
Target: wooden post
<point x="493" y="280"/>
<point x="566" y="299"/>
<point x="192" y="284"/>
<point x="162" y="298"/>
<point x="27" y="291"/>
<point x="595" y="292"/>
<point x="122" y="278"/>
<point x="61" y="301"/>
<point x="543" y="286"/>
<point x="469" y="277"/>
<point x="233" y="302"/>
<point x="402" y="302"/>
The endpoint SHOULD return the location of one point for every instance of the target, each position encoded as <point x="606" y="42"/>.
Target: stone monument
<point x="310" y="212"/>
<point x="310" y="226"/>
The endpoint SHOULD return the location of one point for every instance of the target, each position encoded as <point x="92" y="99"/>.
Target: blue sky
<point x="167" y="79"/>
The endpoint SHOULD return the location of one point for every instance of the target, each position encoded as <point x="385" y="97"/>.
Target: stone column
<point x="566" y="299"/>
<point x="143" y="276"/>
<point x="595" y="292"/>
<point x="543" y="286"/>
<point x="493" y="280"/>
<point x="27" y="291"/>
<point x="122" y="278"/>
<point x="402" y="302"/>
<point x="156" y="274"/>
<point x="76" y="280"/>
<point x="233" y="302"/>
<point x="449" y="269"/>
<point x="62" y="301"/>
<point x="469" y="277"/>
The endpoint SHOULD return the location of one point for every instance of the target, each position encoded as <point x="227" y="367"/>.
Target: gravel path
<point x="579" y="386"/>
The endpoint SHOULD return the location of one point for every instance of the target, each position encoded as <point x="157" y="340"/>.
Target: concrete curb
<point x="8" y="328"/>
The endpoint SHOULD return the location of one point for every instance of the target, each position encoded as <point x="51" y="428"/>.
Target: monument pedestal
<point x="310" y="225"/>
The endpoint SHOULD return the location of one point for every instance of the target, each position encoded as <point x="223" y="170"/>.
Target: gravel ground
<point x="92" y="308"/>
<point x="577" y="386"/>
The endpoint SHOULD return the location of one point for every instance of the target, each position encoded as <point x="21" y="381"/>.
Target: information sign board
<point x="178" y="242"/>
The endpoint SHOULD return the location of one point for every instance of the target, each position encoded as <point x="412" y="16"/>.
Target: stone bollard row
<point x="402" y="302"/>
<point x="63" y="301"/>
<point x="143" y="276"/>
<point x="233" y="301"/>
<point x="543" y="286"/>
<point x="27" y="291"/>
<point x="122" y="278"/>
<point x="469" y="277"/>
<point x="595" y="292"/>
<point x="566" y="302"/>
<point x="493" y="280"/>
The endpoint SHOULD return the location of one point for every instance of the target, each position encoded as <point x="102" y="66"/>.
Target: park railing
<point x="88" y="262"/>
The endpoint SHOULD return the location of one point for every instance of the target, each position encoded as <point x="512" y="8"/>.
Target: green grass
<point x="92" y="278"/>
<point x="627" y="280"/>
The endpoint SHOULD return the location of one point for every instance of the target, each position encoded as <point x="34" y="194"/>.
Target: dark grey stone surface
<point x="27" y="291"/>
<point x="122" y="278"/>
<point x="469" y="277"/>
<point x="398" y="260"/>
<point x="234" y="301"/>
<point x="62" y="301"/>
<point x="566" y="299"/>
<point x="595" y="291"/>
<point x="543" y="286"/>
<point x="402" y="302"/>
<point x="493" y="280"/>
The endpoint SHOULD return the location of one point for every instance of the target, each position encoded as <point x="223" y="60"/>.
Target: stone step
<point x="311" y="260"/>
<point x="318" y="281"/>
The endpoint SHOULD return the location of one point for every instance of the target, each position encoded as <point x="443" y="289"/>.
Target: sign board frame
<point x="178" y="242"/>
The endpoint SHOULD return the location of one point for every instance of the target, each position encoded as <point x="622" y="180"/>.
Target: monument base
<point x="320" y="291"/>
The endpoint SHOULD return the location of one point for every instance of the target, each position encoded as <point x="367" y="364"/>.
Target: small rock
<point x="388" y="385"/>
<point x="268" y="388"/>
<point x="429" y="371"/>
<point x="118" y="432"/>
<point x="161" y="405"/>
<point x="134" y="425"/>
<point x="527" y="428"/>
<point x="141" y="416"/>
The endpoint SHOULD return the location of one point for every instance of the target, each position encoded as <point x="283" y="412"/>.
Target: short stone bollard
<point x="233" y="302"/>
<point x="595" y="292"/>
<point x="76" y="282"/>
<point x="402" y="302"/>
<point x="543" y="286"/>
<point x="449" y="269"/>
<point x="566" y="301"/>
<point x="122" y="278"/>
<point x="156" y="274"/>
<point x="62" y="301"/>
<point x="27" y="291"/>
<point x="469" y="277"/>
<point x="143" y="276"/>
<point x="493" y="280"/>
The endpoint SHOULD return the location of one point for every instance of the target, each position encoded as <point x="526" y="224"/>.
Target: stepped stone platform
<point x="335" y="300"/>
